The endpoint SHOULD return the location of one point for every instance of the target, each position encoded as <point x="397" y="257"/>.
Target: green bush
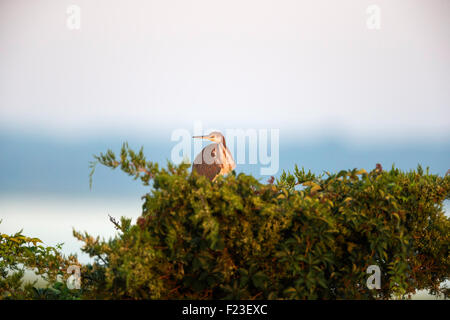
<point x="304" y="237"/>
<point x="18" y="254"/>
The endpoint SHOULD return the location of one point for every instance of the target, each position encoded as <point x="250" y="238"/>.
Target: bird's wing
<point x="208" y="155"/>
<point x="210" y="171"/>
<point x="206" y="162"/>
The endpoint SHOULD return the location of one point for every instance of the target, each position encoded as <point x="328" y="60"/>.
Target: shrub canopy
<point x="303" y="237"/>
<point x="18" y="254"/>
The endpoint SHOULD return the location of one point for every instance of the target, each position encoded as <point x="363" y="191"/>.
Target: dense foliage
<point x="303" y="236"/>
<point x="18" y="254"/>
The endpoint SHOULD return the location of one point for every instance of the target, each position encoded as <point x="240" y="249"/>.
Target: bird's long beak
<point x="199" y="137"/>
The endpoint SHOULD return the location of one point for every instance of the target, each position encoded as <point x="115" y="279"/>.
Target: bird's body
<point x="215" y="159"/>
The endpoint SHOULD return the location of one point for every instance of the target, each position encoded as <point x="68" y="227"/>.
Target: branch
<point x="116" y="224"/>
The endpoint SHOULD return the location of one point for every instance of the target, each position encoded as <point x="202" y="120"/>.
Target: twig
<point x="116" y="224"/>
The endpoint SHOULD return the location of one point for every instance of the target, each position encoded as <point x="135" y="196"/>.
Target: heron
<point x="215" y="159"/>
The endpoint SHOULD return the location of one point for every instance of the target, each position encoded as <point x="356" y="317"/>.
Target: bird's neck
<point x="224" y="143"/>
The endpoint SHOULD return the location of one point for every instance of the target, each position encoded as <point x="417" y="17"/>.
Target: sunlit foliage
<point x="302" y="237"/>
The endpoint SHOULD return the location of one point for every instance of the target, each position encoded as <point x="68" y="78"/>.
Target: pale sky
<point x="308" y="67"/>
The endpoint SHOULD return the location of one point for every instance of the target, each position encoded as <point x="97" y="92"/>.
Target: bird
<point x="215" y="159"/>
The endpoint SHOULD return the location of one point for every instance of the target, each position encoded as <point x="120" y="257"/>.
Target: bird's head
<point x="213" y="136"/>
